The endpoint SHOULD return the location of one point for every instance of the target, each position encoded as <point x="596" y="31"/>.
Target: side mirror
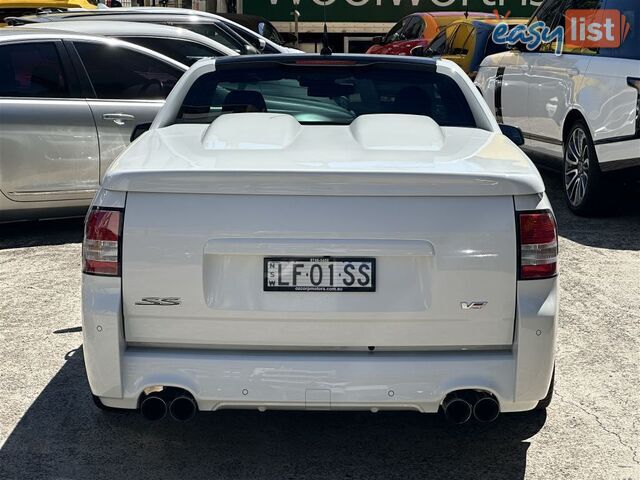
<point x="513" y="133"/>
<point x="139" y="130"/>
<point x="262" y="43"/>
<point x="251" y="50"/>
<point x="377" y="40"/>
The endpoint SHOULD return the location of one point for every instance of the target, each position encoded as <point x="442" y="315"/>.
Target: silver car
<point x="206" y="25"/>
<point x="68" y="106"/>
<point x="182" y="45"/>
<point x="238" y="37"/>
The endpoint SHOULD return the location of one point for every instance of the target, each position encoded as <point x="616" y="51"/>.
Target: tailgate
<point x="207" y="253"/>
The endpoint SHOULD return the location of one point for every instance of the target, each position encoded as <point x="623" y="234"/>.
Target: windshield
<point x="326" y="94"/>
<point x="214" y="32"/>
<point x="252" y="38"/>
<point x="268" y="31"/>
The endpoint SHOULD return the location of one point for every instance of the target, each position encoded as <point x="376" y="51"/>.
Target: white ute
<point x="321" y="232"/>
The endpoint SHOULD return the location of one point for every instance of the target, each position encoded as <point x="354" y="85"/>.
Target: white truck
<point x="321" y="232"/>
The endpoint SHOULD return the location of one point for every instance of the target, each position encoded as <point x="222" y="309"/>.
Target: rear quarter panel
<point x="606" y="100"/>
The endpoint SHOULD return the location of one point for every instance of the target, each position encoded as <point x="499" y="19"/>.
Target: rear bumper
<point x="319" y="381"/>
<point x="520" y="377"/>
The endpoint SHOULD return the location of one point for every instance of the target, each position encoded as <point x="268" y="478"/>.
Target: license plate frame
<point x="270" y="267"/>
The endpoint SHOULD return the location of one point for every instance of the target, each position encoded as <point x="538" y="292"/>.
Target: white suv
<point x="581" y="109"/>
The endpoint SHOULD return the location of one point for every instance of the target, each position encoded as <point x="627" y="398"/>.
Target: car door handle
<point x="118" y="118"/>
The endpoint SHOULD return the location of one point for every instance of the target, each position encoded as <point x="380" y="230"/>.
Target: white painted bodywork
<point x="542" y="93"/>
<point x="330" y="159"/>
<point x="205" y="204"/>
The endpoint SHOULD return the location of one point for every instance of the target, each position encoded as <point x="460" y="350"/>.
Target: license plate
<point x="319" y="274"/>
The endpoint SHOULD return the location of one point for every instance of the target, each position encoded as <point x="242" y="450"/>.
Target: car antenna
<point x="466" y="12"/>
<point x="326" y="49"/>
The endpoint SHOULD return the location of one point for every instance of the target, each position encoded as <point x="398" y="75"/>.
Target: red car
<point x="417" y="29"/>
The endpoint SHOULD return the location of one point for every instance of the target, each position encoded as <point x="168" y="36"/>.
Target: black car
<point x="261" y="26"/>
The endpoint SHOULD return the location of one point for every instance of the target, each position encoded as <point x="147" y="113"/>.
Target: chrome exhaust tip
<point x="486" y="408"/>
<point x="153" y="407"/>
<point x="457" y="409"/>
<point x="183" y="408"/>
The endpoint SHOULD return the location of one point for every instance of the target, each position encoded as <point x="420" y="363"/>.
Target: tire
<point x="546" y="401"/>
<point x="582" y="178"/>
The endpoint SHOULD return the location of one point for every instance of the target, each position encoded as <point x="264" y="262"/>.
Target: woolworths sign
<point x="378" y="10"/>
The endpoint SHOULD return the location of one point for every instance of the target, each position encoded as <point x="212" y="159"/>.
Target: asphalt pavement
<point x="50" y="429"/>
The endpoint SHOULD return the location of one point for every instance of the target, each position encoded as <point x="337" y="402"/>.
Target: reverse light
<point x="102" y="242"/>
<point x="538" y="239"/>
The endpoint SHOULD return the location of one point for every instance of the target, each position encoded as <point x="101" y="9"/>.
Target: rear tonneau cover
<point x="431" y="255"/>
<point x="376" y="155"/>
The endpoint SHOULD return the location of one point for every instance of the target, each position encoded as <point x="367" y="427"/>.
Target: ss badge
<point x="163" y="302"/>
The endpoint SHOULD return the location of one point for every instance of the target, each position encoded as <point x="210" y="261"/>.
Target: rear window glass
<point x="630" y="47"/>
<point x="326" y="95"/>
<point x="493" y="48"/>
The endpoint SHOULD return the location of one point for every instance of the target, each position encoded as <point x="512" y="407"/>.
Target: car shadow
<point x="63" y="435"/>
<point x="41" y="233"/>
<point x="619" y="230"/>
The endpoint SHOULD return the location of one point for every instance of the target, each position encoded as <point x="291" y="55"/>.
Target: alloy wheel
<point x="576" y="167"/>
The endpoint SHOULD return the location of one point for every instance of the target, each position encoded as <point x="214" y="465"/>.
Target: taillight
<point x="102" y="241"/>
<point x="538" y="245"/>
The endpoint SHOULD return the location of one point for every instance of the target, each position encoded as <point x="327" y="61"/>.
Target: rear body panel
<point x="432" y="254"/>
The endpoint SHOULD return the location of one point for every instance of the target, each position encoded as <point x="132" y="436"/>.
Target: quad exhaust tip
<point x="457" y="409"/>
<point x="486" y="408"/>
<point x="461" y="405"/>
<point x="153" y="407"/>
<point x="156" y="402"/>
<point x="183" y="408"/>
